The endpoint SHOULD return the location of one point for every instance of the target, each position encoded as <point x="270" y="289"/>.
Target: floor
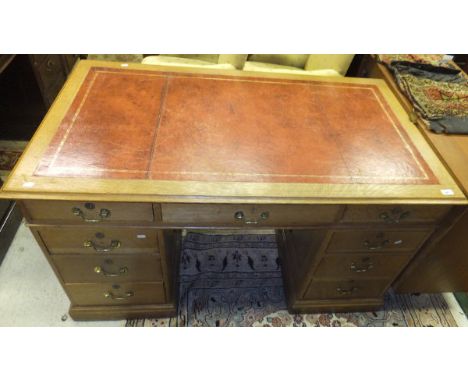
<point x="30" y="294"/>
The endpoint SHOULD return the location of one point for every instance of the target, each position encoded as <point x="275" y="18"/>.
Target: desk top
<point x="138" y="132"/>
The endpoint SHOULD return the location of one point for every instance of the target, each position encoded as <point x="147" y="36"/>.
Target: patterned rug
<point x="235" y="280"/>
<point x="10" y="151"/>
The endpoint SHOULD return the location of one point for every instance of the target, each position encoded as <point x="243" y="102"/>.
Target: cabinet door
<point x="445" y="268"/>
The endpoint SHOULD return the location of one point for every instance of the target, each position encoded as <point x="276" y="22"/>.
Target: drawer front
<point x="361" y="266"/>
<point x="376" y="241"/>
<point x="99" y="240"/>
<point x="394" y="214"/>
<point x="88" y="212"/>
<point x="247" y="214"/>
<point x="349" y="289"/>
<point x="116" y="294"/>
<point x="108" y="268"/>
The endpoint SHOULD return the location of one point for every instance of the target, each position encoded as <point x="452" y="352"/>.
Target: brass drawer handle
<point x="375" y="246"/>
<point x="239" y="215"/>
<point x="112" y="296"/>
<point x="103" y="214"/>
<point x="101" y="271"/>
<point x="91" y="244"/>
<point x="361" y="269"/>
<point x="346" y="292"/>
<point x="395" y="215"/>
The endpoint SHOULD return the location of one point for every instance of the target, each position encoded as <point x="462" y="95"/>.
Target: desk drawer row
<point x="118" y="254"/>
<point x="189" y="214"/>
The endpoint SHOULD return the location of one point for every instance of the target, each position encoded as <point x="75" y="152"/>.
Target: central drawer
<point x="376" y="240"/>
<point x="247" y="214"/>
<point x="99" y="240"/>
<point x="108" y="268"/>
<point x="116" y="294"/>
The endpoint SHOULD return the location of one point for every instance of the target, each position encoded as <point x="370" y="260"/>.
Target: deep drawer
<point x="376" y="241"/>
<point x="108" y="268"/>
<point x="41" y="211"/>
<point x="322" y="290"/>
<point x="394" y="214"/>
<point x="116" y="294"/>
<point x="247" y="214"/>
<point x="100" y="240"/>
<point x="361" y="266"/>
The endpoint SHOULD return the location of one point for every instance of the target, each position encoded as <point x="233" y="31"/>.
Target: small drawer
<point x="248" y="214"/>
<point x="394" y="214"/>
<point x="376" y="241"/>
<point x="39" y="211"/>
<point x="361" y="266"/>
<point x="116" y="294"/>
<point x="108" y="268"/>
<point x="323" y="290"/>
<point x="99" y="240"/>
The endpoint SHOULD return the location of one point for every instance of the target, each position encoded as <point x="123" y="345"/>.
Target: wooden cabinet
<point x="349" y="266"/>
<point x="107" y="259"/>
<point x="51" y="71"/>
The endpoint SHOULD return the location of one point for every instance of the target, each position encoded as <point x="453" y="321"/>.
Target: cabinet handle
<point x="112" y="296"/>
<point x="346" y="292"/>
<point x="49" y="65"/>
<point x="239" y="215"/>
<point x="103" y="214"/>
<point x="395" y="215"/>
<point x="375" y="246"/>
<point x="362" y="268"/>
<point x="101" y="271"/>
<point x="91" y="244"/>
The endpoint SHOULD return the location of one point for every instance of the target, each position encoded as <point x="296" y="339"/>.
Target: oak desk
<point x="129" y="155"/>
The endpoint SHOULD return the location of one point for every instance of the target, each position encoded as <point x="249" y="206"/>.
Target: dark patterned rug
<point x="10" y="151"/>
<point x="235" y="280"/>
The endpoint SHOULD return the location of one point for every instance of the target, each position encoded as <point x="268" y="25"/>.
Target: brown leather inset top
<point x="136" y="124"/>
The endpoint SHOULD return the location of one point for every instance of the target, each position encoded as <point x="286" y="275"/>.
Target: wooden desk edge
<point x="229" y="200"/>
